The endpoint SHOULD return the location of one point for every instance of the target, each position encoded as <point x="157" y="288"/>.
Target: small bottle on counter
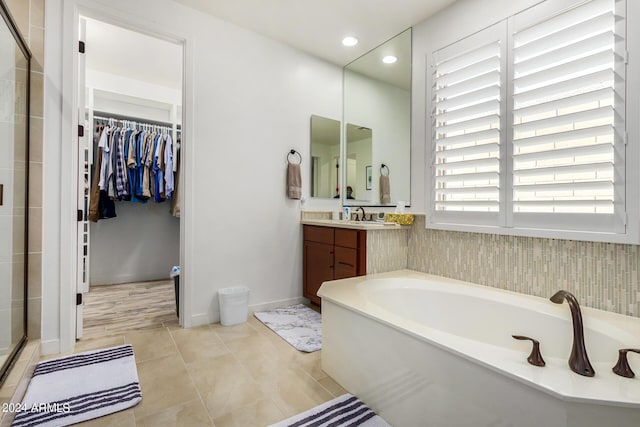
<point x="346" y="213"/>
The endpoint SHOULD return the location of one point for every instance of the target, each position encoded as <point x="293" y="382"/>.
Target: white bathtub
<point x="424" y="350"/>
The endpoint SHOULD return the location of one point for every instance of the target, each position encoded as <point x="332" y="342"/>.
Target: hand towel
<point x="294" y="181"/>
<point x="385" y="190"/>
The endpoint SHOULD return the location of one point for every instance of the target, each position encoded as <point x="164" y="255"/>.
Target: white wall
<point x="104" y="81"/>
<point x="141" y="243"/>
<point x="386" y="110"/>
<point x="248" y="101"/>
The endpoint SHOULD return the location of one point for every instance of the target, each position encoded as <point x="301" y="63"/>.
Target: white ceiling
<point x="398" y="73"/>
<point x="318" y="26"/>
<point x="116" y="50"/>
<point x="313" y="26"/>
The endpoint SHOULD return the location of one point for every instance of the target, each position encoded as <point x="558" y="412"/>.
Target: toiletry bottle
<point x="346" y="213"/>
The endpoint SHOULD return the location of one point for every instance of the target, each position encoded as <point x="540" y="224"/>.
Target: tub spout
<point x="578" y="361"/>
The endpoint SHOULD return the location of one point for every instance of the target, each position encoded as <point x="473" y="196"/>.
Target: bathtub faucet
<point x="578" y="361"/>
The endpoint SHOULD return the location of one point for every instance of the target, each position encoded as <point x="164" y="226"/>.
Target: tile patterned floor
<point x="243" y="375"/>
<point x="110" y="309"/>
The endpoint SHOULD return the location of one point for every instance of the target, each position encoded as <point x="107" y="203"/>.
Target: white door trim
<point x="67" y="244"/>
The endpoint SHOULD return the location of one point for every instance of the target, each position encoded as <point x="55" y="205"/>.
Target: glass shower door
<point x="14" y="154"/>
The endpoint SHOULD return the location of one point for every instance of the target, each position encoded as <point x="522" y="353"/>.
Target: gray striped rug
<point x="80" y="387"/>
<point x="344" y="411"/>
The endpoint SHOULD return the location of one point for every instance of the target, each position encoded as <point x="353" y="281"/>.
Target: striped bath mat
<point x="344" y="411"/>
<point x="80" y="387"/>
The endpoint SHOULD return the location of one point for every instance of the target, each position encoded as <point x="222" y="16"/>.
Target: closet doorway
<point x="130" y="100"/>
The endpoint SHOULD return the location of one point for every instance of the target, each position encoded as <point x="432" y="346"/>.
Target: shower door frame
<point x="6" y="16"/>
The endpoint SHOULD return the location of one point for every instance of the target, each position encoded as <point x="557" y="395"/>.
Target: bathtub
<point x="425" y="350"/>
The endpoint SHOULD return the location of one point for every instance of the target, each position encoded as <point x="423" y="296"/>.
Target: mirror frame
<point x="343" y="147"/>
<point x="22" y="45"/>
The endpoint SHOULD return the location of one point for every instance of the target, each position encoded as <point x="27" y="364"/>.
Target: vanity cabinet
<point x="331" y="253"/>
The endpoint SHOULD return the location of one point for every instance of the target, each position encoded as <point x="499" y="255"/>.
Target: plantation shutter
<point x="568" y="119"/>
<point x="467" y="84"/>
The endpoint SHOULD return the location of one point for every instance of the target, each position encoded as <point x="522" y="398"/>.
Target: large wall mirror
<point x="377" y="118"/>
<point x="14" y="128"/>
<point x="325" y="157"/>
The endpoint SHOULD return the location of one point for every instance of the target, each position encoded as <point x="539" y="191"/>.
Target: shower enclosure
<point x="15" y="63"/>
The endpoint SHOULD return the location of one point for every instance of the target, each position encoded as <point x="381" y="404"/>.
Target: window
<point x="466" y="123"/>
<point x="528" y="123"/>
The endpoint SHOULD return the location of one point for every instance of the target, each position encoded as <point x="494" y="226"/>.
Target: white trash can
<point x="234" y="305"/>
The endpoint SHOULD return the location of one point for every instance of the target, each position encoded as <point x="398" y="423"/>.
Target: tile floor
<point x="110" y="309"/>
<point x="243" y="375"/>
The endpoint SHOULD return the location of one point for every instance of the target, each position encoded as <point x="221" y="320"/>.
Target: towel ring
<point x="292" y="153"/>
<point x="382" y="168"/>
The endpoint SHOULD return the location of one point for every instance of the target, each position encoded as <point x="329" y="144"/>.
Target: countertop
<point x="356" y="225"/>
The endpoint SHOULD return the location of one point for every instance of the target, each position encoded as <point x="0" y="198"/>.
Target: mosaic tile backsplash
<point x="600" y="275"/>
<point x="387" y="250"/>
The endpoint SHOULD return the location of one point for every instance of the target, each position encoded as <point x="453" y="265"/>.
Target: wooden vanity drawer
<point x="347" y="238"/>
<point x="346" y="262"/>
<point x="318" y="234"/>
<point x="331" y="253"/>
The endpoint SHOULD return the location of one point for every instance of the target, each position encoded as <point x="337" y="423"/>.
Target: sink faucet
<point x="578" y="361"/>
<point x="363" y="214"/>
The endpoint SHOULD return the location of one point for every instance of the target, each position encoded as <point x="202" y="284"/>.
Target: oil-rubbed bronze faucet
<point x="622" y="368"/>
<point x="535" y="358"/>
<point x="578" y="361"/>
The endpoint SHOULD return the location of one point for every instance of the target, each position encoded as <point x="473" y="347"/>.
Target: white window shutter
<point x="528" y="123"/>
<point x="466" y="118"/>
<point x="568" y="120"/>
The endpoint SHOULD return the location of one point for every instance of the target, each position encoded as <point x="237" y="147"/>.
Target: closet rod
<point x="100" y="115"/>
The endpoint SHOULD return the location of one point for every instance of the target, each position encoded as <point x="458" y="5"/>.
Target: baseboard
<point x="276" y="304"/>
<point x="128" y="278"/>
<point x="208" y="318"/>
<point x="202" y="319"/>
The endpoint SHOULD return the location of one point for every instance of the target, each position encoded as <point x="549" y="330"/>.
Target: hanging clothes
<point x="105" y="206"/>
<point x="175" y="200"/>
<point x="169" y="167"/>
<point x="94" y="204"/>
<point x="121" y="184"/>
<point x="135" y="162"/>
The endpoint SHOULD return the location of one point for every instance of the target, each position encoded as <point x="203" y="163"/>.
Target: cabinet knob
<point x="622" y="368"/>
<point x="535" y="358"/>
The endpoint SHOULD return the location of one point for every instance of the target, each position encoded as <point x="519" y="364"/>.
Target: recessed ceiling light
<point x="349" y="41"/>
<point x="389" y="59"/>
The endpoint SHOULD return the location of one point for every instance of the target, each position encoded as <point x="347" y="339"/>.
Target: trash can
<point x="234" y="305"/>
<point x="176" y="286"/>
<point x="175" y="275"/>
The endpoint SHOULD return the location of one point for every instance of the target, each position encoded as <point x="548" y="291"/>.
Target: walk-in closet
<point x="129" y="176"/>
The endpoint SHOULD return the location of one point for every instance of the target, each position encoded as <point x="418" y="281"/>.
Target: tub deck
<point x="390" y="338"/>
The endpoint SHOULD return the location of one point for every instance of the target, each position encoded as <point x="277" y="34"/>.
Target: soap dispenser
<point x="346" y="213"/>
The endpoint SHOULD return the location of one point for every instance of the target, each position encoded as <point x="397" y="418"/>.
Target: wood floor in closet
<point x="111" y="309"/>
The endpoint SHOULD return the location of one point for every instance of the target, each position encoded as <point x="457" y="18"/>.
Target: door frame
<point x="71" y="12"/>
